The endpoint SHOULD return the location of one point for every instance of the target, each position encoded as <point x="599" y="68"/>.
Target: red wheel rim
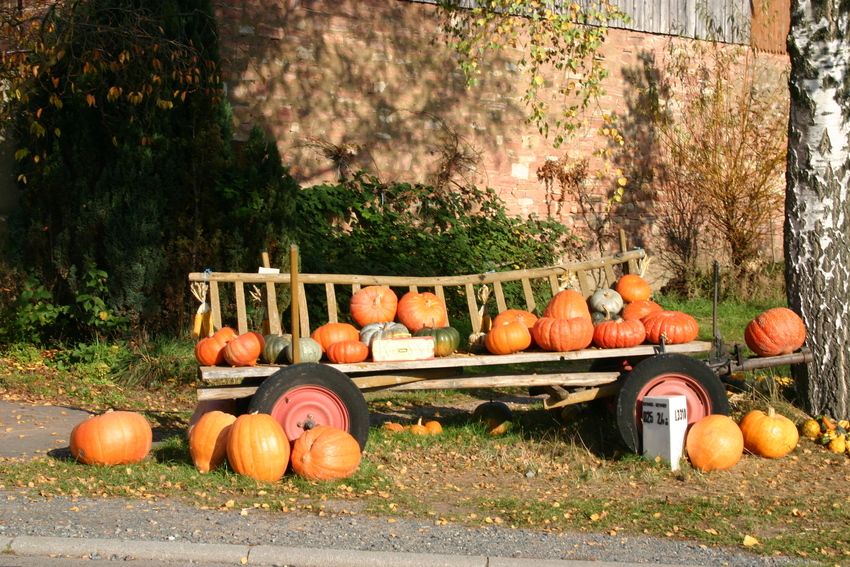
<point x="308" y="406"/>
<point x="672" y="384"/>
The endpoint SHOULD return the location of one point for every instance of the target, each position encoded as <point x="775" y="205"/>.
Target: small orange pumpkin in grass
<point x="394" y="427"/>
<point x="715" y="442"/>
<point x="325" y="452"/>
<point x="208" y="440"/>
<point x="434" y="427"/>
<point x="347" y="352"/>
<point x="632" y="287"/>
<point x="331" y="333"/>
<point x="258" y="447"/>
<point x="775" y="332"/>
<point x="508" y="338"/>
<point x="769" y="435"/>
<point x="112" y="438"/>
<point x="419" y="429"/>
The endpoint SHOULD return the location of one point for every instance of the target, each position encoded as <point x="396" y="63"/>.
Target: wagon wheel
<point x="665" y="375"/>
<point x="305" y="395"/>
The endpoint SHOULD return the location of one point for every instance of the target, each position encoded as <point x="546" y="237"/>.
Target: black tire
<point x="667" y="374"/>
<point x="607" y="406"/>
<point x="304" y="395"/>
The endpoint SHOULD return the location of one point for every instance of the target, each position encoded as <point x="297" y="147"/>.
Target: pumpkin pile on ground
<point x="112" y="438"/>
<point x="828" y="433"/>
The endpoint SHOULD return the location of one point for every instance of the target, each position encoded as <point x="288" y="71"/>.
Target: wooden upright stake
<point x="293" y="282"/>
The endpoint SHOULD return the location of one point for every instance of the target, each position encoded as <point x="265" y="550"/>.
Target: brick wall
<point x="369" y="74"/>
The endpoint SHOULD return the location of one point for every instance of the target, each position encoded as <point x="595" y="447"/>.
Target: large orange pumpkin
<point x="639" y="309"/>
<point x="770" y="434"/>
<point x="561" y="335"/>
<point x="619" y="333"/>
<point x="676" y="327"/>
<point x="776" y="331"/>
<point x="633" y="288"/>
<point x="418" y="310"/>
<point x="330" y="333"/>
<point x="210" y="350"/>
<point x="508" y="338"/>
<point x="325" y="452"/>
<point x="373" y="304"/>
<point x="112" y="438"/>
<point x="208" y="440"/>
<point x="715" y="442"/>
<point x="567" y="304"/>
<point x="258" y="447"/>
<point x="245" y="349"/>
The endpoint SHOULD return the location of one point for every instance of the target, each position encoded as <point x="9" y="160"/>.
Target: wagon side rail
<point x="587" y="276"/>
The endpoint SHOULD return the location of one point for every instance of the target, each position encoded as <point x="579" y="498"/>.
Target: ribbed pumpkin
<point x="675" y="326"/>
<point x="347" y="352"/>
<point x="112" y="438"/>
<point x="208" y="440"/>
<point x="324" y="453"/>
<point x="606" y="301"/>
<point x="373" y="304"/>
<point x="309" y="349"/>
<point x="526" y="317"/>
<point x="769" y="435"/>
<point x="446" y="339"/>
<point x="776" y="331"/>
<point x="244" y="350"/>
<point x="258" y="447"/>
<point x="508" y="338"/>
<point x="567" y="304"/>
<point x="274" y="348"/>
<point x="639" y="309"/>
<point x="561" y="335"/>
<point x="210" y="350"/>
<point x="633" y="288"/>
<point x="417" y="310"/>
<point x="330" y="333"/>
<point x="387" y="330"/>
<point x="206" y="406"/>
<point x="715" y="442"/>
<point x="619" y="333"/>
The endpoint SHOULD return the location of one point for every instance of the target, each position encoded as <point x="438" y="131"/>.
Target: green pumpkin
<point x="446" y="339"/>
<point x="389" y="330"/>
<point x="606" y="301"/>
<point x="273" y="351"/>
<point x="311" y="350"/>
<point x="497" y="417"/>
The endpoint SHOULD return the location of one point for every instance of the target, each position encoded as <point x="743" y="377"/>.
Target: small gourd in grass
<point x="419" y="429"/>
<point x="393" y="427"/>
<point x="810" y="428"/>
<point x="434" y="427"/>
<point x="838" y="444"/>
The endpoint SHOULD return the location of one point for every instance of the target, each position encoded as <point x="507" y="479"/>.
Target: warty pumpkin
<point x="386" y="330"/>
<point x="775" y="332"/>
<point x="112" y="438"/>
<point x="324" y="453"/>
<point x="258" y="447"/>
<point x="208" y="440"/>
<point x="769" y="435"/>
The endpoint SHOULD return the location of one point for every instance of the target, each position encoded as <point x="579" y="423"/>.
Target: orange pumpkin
<point x="434" y="427"/>
<point x="325" y="452"/>
<point x="394" y="427"/>
<point x="508" y="338"/>
<point x="418" y="310"/>
<point x="373" y="304"/>
<point x="776" y="331"/>
<point x="245" y="349"/>
<point x="632" y="287"/>
<point x="210" y="350"/>
<point x="619" y="333"/>
<point x="258" y="447"/>
<point x="715" y="442"/>
<point x="208" y="440"/>
<point x="561" y="335"/>
<point x="769" y="435"/>
<point x="676" y="327"/>
<point x="204" y="406"/>
<point x="639" y="309"/>
<point x="526" y="317"/>
<point x="331" y="333"/>
<point x="347" y="352"/>
<point x="567" y="304"/>
<point x="112" y="438"/>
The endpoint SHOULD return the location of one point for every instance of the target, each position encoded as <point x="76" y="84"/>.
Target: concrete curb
<point x="179" y="552"/>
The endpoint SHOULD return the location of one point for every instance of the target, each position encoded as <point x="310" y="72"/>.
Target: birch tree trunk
<point x="817" y="205"/>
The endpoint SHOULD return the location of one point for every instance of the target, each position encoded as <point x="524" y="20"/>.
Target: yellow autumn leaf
<point x="622" y="181"/>
<point x="538" y="80"/>
<point x="750" y="541"/>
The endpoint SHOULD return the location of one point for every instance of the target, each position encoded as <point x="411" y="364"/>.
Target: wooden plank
<point x="215" y="305"/>
<point x="472" y="305"/>
<point x="529" y="295"/>
<point x="584" y="283"/>
<point x="610" y="276"/>
<point x="500" y="296"/>
<point x="554" y="284"/>
<point x="225" y="392"/>
<point x="440" y="292"/>
<point x="577" y="397"/>
<point x="303" y="314"/>
<point x="510" y="380"/>
<point x="241" y="314"/>
<point x="272" y="313"/>
<point x="330" y="297"/>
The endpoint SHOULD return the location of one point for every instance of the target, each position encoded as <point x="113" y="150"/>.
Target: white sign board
<point x="665" y="421"/>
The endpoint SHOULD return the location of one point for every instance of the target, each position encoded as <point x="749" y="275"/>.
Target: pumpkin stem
<point x="771" y="412"/>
